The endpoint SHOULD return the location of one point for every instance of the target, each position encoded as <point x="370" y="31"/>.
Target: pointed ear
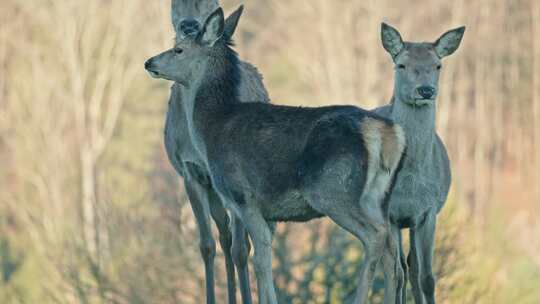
<point x="213" y="27"/>
<point x="391" y="40"/>
<point x="232" y="21"/>
<point x="449" y="42"/>
<point x="176" y="7"/>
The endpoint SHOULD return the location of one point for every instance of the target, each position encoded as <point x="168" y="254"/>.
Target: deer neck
<point x="419" y="125"/>
<point x="211" y="98"/>
<point x="176" y="104"/>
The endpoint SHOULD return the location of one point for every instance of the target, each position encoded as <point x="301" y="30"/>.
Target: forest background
<point x="92" y="212"/>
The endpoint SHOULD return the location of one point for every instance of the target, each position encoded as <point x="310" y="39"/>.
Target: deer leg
<point x="424" y="244"/>
<point x="393" y="257"/>
<point x="366" y="221"/>
<point x="368" y="225"/>
<point x="240" y="253"/>
<point x="403" y="260"/>
<point x="272" y="227"/>
<point x="197" y="198"/>
<point x="380" y="245"/>
<point x="261" y="236"/>
<point x="367" y="270"/>
<point x="221" y="218"/>
<point x="392" y="280"/>
<point x="374" y="239"/>
<point x="393" y="273"/>
<point x="414" y="264"/>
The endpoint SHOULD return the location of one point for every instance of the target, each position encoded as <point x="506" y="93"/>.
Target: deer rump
<point x="283" y="158"/>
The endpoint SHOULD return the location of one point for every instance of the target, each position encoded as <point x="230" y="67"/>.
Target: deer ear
<point x="176" y="7"/>
<point x="449" y="42"/>
<point x="391" y="40"/>
<point x="213" y="28"/>
<point x="232" y="22"/>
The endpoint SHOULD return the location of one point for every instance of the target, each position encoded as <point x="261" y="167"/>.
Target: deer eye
<point x="401" y="66"/>
<point x="439" y="67"/>
<point x="178" y="51"/>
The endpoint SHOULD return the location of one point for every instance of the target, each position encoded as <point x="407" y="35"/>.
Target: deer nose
<point x="427" y="92"/>
<point x="189" y="27"/>
<point x="148" y="64"/>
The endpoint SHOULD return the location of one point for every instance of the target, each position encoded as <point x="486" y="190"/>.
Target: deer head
<point x="418" y="65"/>
<point x="188" y="60"/>
<point x="188" y="15"/>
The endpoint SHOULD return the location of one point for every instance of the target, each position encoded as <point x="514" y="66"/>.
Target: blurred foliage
<point x="92" y="212"/>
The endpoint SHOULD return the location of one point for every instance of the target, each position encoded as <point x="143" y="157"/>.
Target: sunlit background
<point x="92" y="212"/>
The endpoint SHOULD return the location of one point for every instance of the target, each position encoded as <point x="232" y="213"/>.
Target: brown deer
<point x="187" y="18"/>
<point x="272" y="163"/>
<point x="423" y="182"/>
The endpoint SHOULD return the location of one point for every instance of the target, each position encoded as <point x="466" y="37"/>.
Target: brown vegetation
<point x="91" y="212"/>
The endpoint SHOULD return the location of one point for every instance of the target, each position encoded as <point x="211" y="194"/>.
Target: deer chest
<point x="178" y="142"/>
<point x="412" y="197"/>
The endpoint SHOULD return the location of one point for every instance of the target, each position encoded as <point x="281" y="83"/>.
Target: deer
<point x="423" y="182"/>
<point x="187" y="17"/>
<point x="271" y="163"/>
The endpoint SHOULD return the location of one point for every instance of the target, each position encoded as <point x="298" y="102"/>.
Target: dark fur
<point x="291" y="164"/>
<point x="272" y="149"/>
<point x="188" y="163"/>
<point x="279" y="163"/>
<point x="424" y="181"/>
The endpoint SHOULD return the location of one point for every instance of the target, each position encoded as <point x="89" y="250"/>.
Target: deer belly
<point x="291" y="207"/>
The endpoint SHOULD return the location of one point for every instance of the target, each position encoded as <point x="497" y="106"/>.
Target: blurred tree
<point x="91" y="212"/>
